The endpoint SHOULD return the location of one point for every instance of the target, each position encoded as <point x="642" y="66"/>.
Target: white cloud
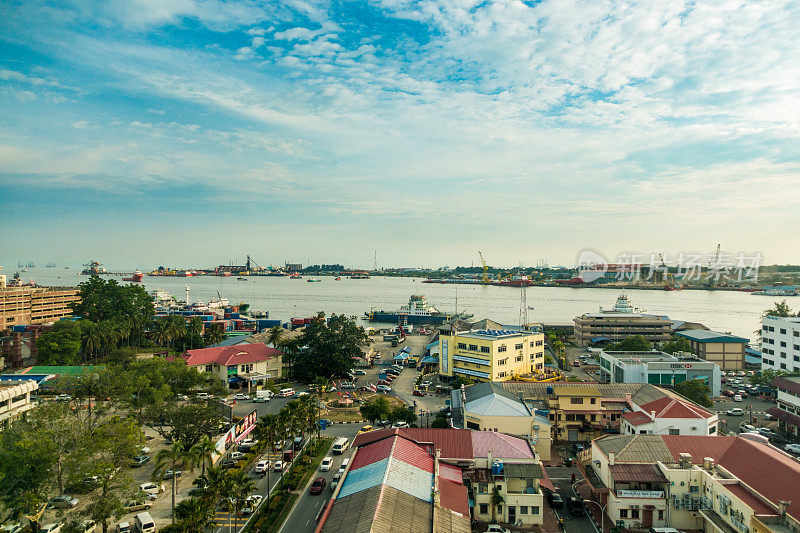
<point x="297" y="34"/>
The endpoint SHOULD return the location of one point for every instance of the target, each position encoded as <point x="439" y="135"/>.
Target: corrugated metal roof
<point x="750" y="500"/>
<point x="364" y="478"/>
<point x="698" y="446"/>
<point x="568" y="390"/>
<point x="645" y="473"/>
<point x="702" y="335"/>
<point x="501" y="446"/>
<point x="606" y="390"/>
<point x="668" y="407"/>
<point x="370" y="454"/>
<point x="355" y="513"/>
<point x="410" y="479"/>
<point x="496" y="405"/>
<point x="453" y="473"/>
<point x="453" y="496"/>
<point x="522" y="470"/>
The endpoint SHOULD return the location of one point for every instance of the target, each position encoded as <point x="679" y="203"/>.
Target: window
<point x="484" y="508"/>
<point x="797" y="346"/>
<point x="783" y="331"/>
<point x="518" y="358"/>
<point x="797" y="333"/>
<point x="634" y="513"/>
<point x="661" y="514"/>
<point x="209" y="368"/>
<point x="523" y="509"/>
<point x="502" y="348"/>
<point x="539" y="343"/>
<point x="518" y="346"/>
<point x="462" y="346"/>
<point x="783" y="355"/>
<point x="712" y="430"/>
<point x="594" y="418"/>
<point x="783" y="344"/>
<point x="501" y="374"/>
<point x="673" y="431"/>
<point x="473" y="347"/>
<point x="576" y="401"/>
<point x="531" y="344"/>
<point x="499" y="508"/>
<point x="534" y="509"/>
<point x="246" y="368"/>
<point x="592" y="401"/>
<point x="694" y="488"/>
<point x="623" y="513"/>
<point x="486" y="349"/>
<point x="483" y="488"/>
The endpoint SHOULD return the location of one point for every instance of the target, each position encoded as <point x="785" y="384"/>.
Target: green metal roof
<point x="62" y="370"/>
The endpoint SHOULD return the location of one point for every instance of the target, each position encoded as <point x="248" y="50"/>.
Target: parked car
<point x="736" y="411"/>
<point x="497" y="528"/>
<point x="62" y="502"/>
<point x="241" y="396"/>
<point x="792" y="448"/>
<point x="279" y="466"/>
<point x="383" y="382"/>
<point x="51" y="528"/>
<point x="400" y="425"/>
<point x="137" y="505"/>
<point x="746" y="428"/>
<point x="237" y="456"/>
<point x="555" y="499"/>
<point x="226" y="463"/>
<point x="317" y="485"/>
<point x="359" y="372"/>
<point x="152" y="489"/>
<point x="384" y="388"/>
<point x="124" y="527"/>
<point x="425" y="384"/>
<point x="169" y="474"/>
<point x="768" y="416"/>
<point x="246" y="444"/>
<point x="418" y="392"/>
<point x="767" y="432"/>
<point x="139" y="460"/>
<point x="363" y="388"/>
<point x="737" y="398"/>
<point x="728" y="393"/>
<point x="326" y="464"/>
<point x="365" y="429"/>
<point x="576" y="506"/>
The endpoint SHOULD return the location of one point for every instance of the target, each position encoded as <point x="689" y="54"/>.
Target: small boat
<point x="338" y="279"/>
<point x="295" y="276"/>
<point x="312" y="280"/>
<point x="136" y="277"/>
<point x="240" y="278"/>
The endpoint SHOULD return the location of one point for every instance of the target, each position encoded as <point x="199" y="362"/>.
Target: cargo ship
<point x="416" y="312"/>
<point x="136" y="277"/>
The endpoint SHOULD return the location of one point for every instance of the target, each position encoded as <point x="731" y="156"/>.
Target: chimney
<point x="685" y="460"/>
<point x="628" y="397"/>
<point x="652" y="415"/>
<point x="708" y="463"/>
<point x="611" y="457"/>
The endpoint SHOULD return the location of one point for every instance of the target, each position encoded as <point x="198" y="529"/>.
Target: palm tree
<point x="194" y="328"/>
<point x="267" y="428"/>
<point x="203" y="452"/>
<point x="160" y="334"/>
<point x="213" y="484"/>
<point x="275" y="335"/>
<point x="92" y="342"/>
<point x="308" y="413"/>
<point x="173" y="457"/>
<point x="213" y="336"/>
<point x="321" y="383"/>
<point x="242" y="486"/>
<point x="496" y="500"/>
<point x="195" y="514"/>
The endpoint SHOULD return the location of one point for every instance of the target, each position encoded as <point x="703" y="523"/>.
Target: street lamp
<point x="602" y="514"/>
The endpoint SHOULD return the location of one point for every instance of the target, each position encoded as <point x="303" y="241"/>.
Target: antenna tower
<point x="523" y="305"/>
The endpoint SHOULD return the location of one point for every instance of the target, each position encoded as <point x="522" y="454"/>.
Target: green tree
<point x="107" y="300"/>
<point x="328" y="349"/>
<point x="764" y="378"/>
<point x="275" y="336"/>
<point x="497" y="499"/>
<point x="634" y="343"/>
<point x="61" y="345"/>
<point x="377" y="409"/>
<point x="194" y="515"/>
<point x="27" y="463"/>
<point x="780" y="309"/>
<point x="241" y="486"/>
<point x="203" y="453"/>
<point x="679" y="344"/>
<point x="173" y="458"/>
<point x="440" y="421"/>
<point x="213" y="335"/>
<point x="403" y="413"/>
<point x="696" y="390"/>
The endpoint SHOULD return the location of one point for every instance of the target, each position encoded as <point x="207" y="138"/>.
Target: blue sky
<point x="144" y="132"/>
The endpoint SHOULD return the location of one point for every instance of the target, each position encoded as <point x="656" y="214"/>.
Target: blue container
<point x="18" y="329"/>
<point x="497" y="468"/>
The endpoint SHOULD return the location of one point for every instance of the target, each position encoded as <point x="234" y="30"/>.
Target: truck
<point x="263" y="395"/>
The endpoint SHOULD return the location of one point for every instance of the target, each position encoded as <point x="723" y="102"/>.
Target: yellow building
<point x="491" y="355"/>
<point x="35" y="305"/>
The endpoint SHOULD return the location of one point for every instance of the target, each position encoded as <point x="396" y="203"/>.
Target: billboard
<point x="235" y="434"/>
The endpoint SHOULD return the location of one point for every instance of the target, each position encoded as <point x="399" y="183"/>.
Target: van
<point x="285" y="393"/>
<point x="144" y="523"/>
<point x="341" y="445"/>
<point x="124" y="527"/>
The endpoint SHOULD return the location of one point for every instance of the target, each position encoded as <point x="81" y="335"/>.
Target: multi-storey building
<point x="788" y="409"/>
<point x="780" y="343"/>
<point x="35" y="305"/>
<point x="724" y="349"/>
<point x="620" y="322"/>
<point x="491" y="355"/>
<point x="658" y="368"/>
<point x="15" y="400"/>
<point x="718" y="484"/>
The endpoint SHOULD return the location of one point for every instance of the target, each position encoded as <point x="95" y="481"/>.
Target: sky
<point x="193" y="132"/>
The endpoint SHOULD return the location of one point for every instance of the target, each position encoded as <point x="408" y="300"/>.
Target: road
<point x="561" y="476"/>
<point x="303" y="516"/>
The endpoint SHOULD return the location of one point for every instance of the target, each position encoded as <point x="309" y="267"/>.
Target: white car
<point x="152" y="489"/>
<point x="737" y="398"/>
<point x="241" y="396"/>
<point x="425" y="384"/>
<point x="279" y="465"/>
<point x="384" y="388"/>
<point x="326" y="464"/>
<point x="251" y="504"/>
<point x="261" y="467"/>
<point x="237" y="456"/>
<point x="495" y="528"/>
<point x="792" y="448"/>
<point x="735" y="412"/>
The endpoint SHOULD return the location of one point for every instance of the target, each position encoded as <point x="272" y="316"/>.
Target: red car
<point x="418" y="392"/>
<point x="317" y="486"/>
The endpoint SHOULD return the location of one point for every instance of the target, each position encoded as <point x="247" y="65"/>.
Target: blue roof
<point x="38" y="378"/>
<point x="430" y="359"/>
<point x="702" y="335"/>
<point x="752" y="360"/>
<point x="431" y="345"/>
<point x="401" y="356"/>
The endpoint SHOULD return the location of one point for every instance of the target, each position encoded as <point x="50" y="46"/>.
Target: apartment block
<point x="780" y="343"/>
<point x="35" y="305"/>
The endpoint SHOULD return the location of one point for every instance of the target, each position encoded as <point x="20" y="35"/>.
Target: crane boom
<point x="485" y="278"/>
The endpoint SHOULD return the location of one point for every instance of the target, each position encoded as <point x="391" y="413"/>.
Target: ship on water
<point x="417" y="311"/>
<point x="136" y="277"/>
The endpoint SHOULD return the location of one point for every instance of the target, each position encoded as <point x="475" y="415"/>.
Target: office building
<point x="724" y="349"/>
<point x="620" y="322"/>
<point x="657" y="368"/>
<point x="490" y="354"/>
<point x="780" y="343"/>
<point x="22" y="306"/>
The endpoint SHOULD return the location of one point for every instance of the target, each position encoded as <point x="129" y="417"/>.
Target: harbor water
<point x="735" y="312"/>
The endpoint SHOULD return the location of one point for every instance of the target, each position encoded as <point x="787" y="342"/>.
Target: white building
<point x="658" y="368"/>
<point x="669" y="416"/>
<point x="780" y="343"/>
<point x="15" y="400"/>
<point x="788" y="409"/>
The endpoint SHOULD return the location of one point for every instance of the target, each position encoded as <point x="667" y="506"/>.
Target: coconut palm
<point x="194" y="328"/>
<point x="275" y="335"/>
<point x="242" y="486"/>
<point x="213" y="484"/>
<point x="203" y="453"/>
<point x="307" y="412"/>
<point x="171" y="458"/>
<point x="194" y="514"/>
<point x="92" y="342"/>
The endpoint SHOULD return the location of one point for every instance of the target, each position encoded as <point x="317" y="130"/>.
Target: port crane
<point x="485" y="278"/>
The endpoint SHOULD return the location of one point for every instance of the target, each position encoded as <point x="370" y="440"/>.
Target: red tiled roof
<point x="669" y="407"/>
<point x="230" y="355"/>
<point x="453" y="473"/>
<point x="453" y="496"/>
<point x="546" y="482"/>
<point x="699" y="446"/>
<point x="758" y="506"/>
<point x="636" y="418"/>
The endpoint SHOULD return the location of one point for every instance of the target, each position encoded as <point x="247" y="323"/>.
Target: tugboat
<point x="135" y="278"/>
<point x="416" y="312"/>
